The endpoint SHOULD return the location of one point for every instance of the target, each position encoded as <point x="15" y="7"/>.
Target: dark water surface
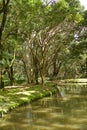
<point x="50" y="113"/>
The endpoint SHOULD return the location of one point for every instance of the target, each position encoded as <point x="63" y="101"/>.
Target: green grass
<point x="82" y="80"/>
<point x="14" y="97"/>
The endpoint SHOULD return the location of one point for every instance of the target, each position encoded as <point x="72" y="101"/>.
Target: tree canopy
<point x="37" y="40"/>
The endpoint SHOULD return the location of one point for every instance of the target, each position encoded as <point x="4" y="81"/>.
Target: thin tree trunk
<point x="25" y="68"/>
<point x="11" y="75"/>
<point x="42" y="75"/>
<point x="2" y="81"/>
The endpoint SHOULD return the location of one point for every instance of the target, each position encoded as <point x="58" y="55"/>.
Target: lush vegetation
<point x="41" y="39"/>
<point x="11" y="98"/>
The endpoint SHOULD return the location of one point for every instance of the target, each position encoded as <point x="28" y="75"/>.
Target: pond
<point x="50" y="113"/>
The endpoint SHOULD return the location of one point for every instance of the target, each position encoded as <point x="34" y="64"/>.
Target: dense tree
<point x="37" y="37"/>
<point x="78" y="48"/>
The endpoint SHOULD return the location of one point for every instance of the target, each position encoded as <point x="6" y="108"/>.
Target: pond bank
<point x="12" y="97"/>
<point x="82" y="80"/>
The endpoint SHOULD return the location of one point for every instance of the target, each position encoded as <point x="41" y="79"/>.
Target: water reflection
<point x="50" y="113"/>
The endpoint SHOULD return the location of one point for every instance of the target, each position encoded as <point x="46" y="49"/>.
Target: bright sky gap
<point x="84" y="3"/>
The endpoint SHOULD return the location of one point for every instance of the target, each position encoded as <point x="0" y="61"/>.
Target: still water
<point x="50" y="113"/>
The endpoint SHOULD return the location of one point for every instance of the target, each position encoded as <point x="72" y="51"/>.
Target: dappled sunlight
<point x="41" y="110"/>
<point x="25" y="92"/>
<point x="46" y="125"/>
<point x="41" y="122"/>
<point x="76" y="96"/>
<point x="24" y="98"/>
<point x="2" y="123"/>
<point x="55" y="115"/>
<point x="82" y="80"/>
<point x="41" y="127"/>
<point x="33" y="91"/>
<point x="65" y="127"/>
<point x="78" y="120"/>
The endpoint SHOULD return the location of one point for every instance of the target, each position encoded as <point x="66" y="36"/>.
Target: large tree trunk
<point x="42" y="77"/>
<point x="3" y="10"/>
<point x="36" y="77"/>
<point x="56" y="68"/>
<point x="35" y="69"/>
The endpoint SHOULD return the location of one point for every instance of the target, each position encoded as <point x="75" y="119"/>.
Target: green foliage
<point x="12" y="98"/>
<point x="84" y="22"/>
<point x="32" y="28"/>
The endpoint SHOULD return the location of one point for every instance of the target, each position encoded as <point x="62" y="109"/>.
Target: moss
<point x="12" y="98"/>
